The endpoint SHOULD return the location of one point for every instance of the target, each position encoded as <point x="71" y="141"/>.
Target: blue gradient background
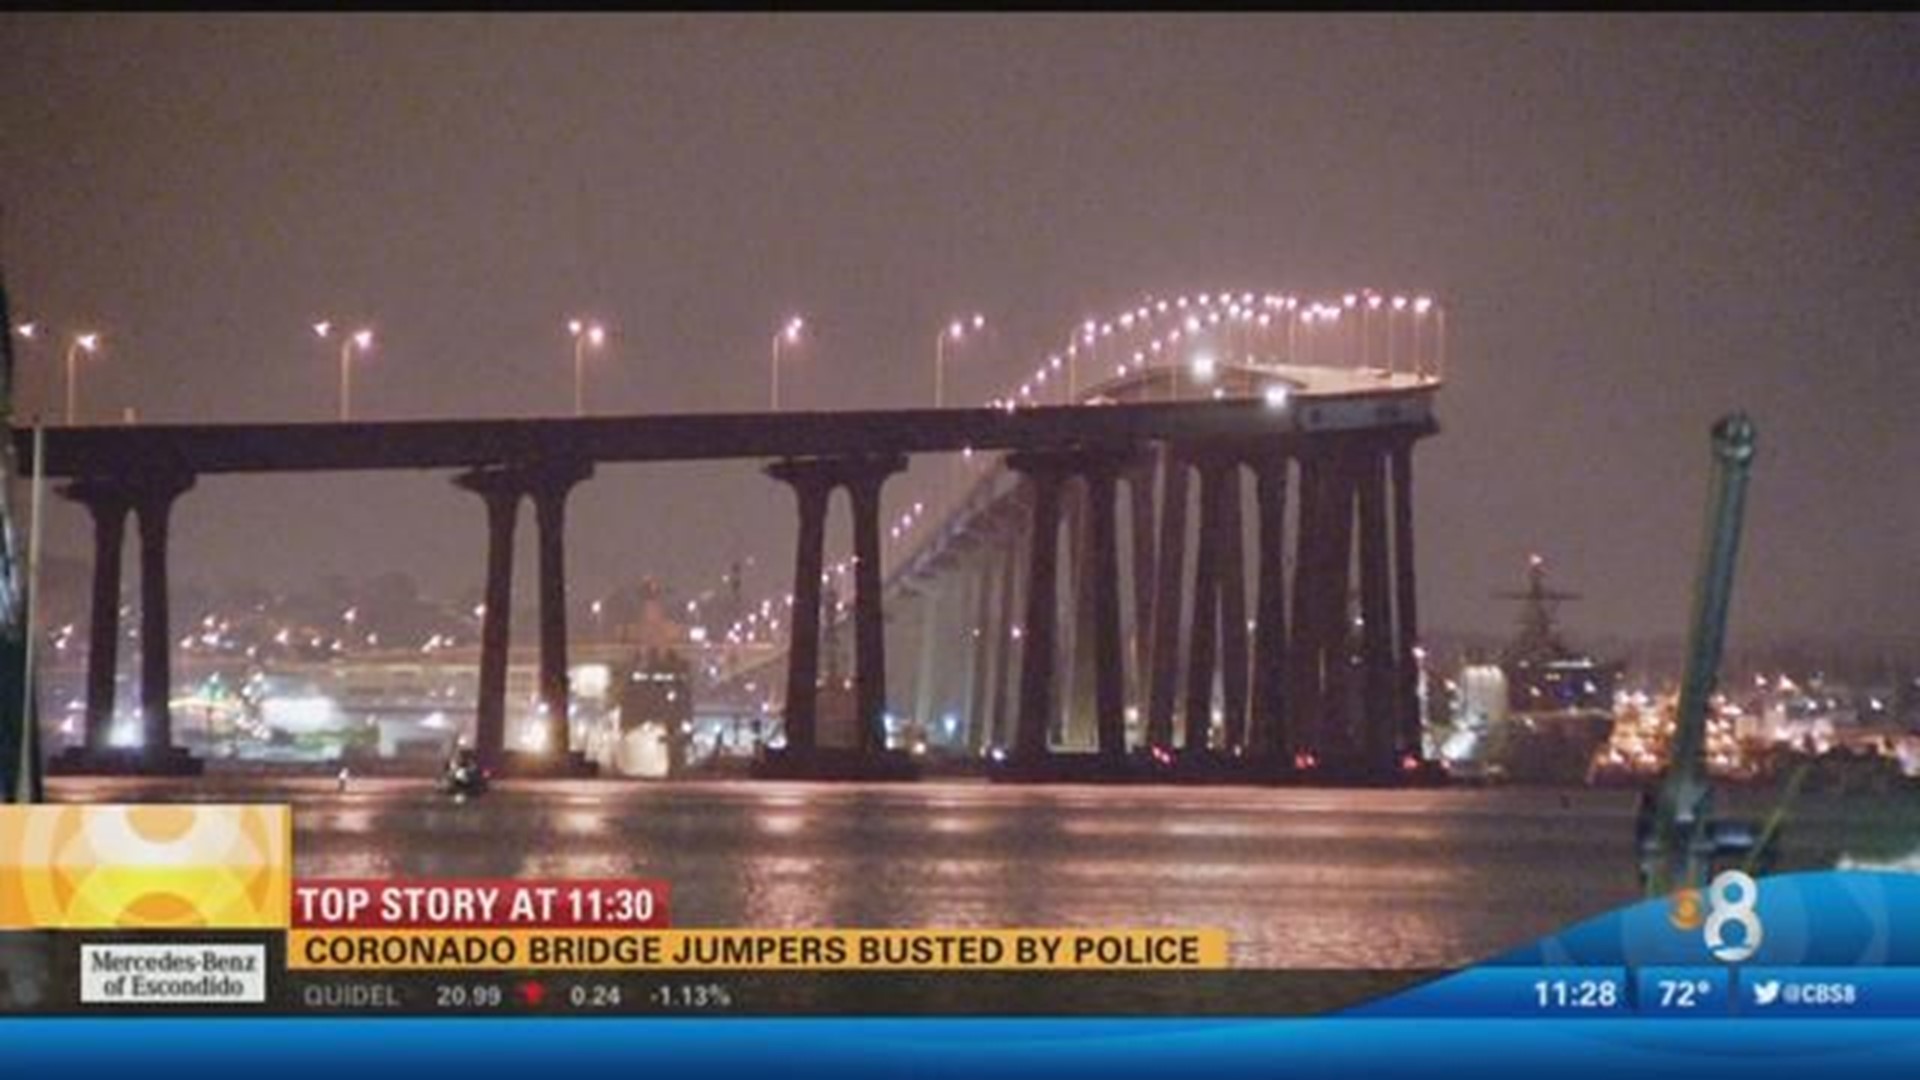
<point x="295" y="1048"/>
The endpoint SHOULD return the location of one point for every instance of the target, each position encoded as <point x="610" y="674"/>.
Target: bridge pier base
<point x="813" y="481"/>
<point x="1047" y="474"/>
<point x="150" y="498"/>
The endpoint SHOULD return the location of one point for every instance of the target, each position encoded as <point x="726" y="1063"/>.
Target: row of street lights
<point x="585" y="333"/>
<point x="84" y="341"/>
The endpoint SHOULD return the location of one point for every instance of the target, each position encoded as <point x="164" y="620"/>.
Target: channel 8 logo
<point x="1730" y="900"/>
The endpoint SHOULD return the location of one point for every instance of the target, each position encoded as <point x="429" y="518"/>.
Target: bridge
<point x="1326" y="436"/>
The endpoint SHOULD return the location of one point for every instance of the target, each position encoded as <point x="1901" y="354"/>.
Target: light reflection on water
<point x="1297" y="878"/>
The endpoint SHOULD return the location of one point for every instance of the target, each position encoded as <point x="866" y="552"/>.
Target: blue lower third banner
<point x="1217" y="1049"/>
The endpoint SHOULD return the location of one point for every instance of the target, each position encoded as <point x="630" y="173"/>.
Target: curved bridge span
<point x="1238" y="601"/>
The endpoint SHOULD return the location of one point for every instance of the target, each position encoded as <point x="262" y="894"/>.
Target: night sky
<point x="1636" y="223"/>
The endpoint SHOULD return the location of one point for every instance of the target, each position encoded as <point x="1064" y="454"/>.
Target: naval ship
<point x="1559" y="699"/>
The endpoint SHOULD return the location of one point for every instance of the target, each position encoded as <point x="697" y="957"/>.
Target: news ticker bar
<point x="249" y="974"/>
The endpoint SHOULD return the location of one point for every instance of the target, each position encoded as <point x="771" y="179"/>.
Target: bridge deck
<point x="1327" y="400"/>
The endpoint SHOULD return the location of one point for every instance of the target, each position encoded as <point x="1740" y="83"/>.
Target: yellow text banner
<point x="758" y="950"/>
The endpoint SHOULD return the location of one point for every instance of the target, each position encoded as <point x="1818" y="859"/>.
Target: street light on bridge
<point x="956" y="332"/>
<point x="584" y="334"/>
<point x="362" y="340"/>
<point x="788" y="334"/>
<point x="28" y="333"/>
<point x="89" y="343"/>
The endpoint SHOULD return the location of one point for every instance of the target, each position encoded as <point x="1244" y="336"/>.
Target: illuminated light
<point x="1053" y="362"/>
<point x="979" y="321"/>
<point x="1399" y="303"/>
<point x="363" y="339"/>
<point x="1374" y="301"/>
<point x="27" y="330"/>
<point x="1106" y="329"/>
<point x="1422" y="304"/>
<point x="596" y="335"/>
<point x="574" y="327"/>
<point x="1349" y="300"/>
<point x="322" y="328"/>
<point x="1277" y="395"/>
<point x="88" y="342"/>
<point x="1192" y="324"/>
<point x="1206" y="298"/>
<point x="1161" y="307"/>
<point x="1264" y="320"/>
<point x="1204" y="366"/>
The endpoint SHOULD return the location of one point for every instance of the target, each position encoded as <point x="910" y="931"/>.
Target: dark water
<point x="1316" y="879"/>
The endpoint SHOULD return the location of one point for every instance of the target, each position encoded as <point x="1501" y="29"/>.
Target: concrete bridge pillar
<point x="153" y="503"/>
<point x="1232" y="583"/>
<point x="1201" y="639"/>
<point x="1306" y="645"/>
<point x="1140" y="479"/>
<point x="1048" y="475"/>
<point x="108" y="503"/>
<point x="501" y="490"/>
<point x="1102" y="574"/>
<point x="1378" y="722"/>
<point x="1268" y="737"/>
<point x="811" y="487"/>
<point x="1169" y="570"/>
<point x="549" y="486"/>
<point x="985" y="584"/>
<point x="1336" y="623"/>
<point x="863" y="480"/>
<point x="1005" y="654"/>
<point x="1406" y="618"/>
